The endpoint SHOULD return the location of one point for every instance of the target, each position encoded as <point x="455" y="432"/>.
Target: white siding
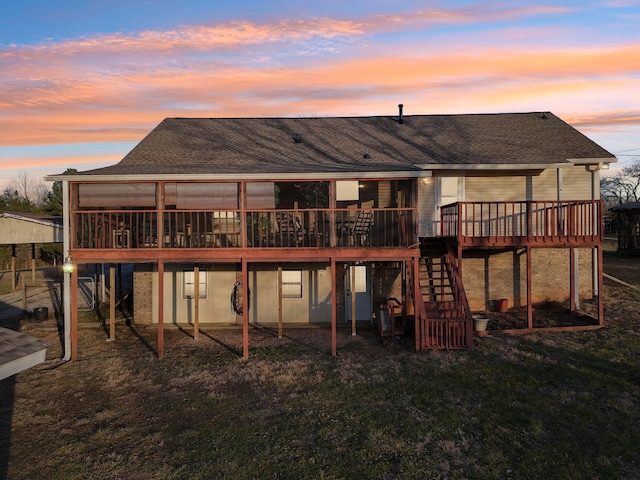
<point x="314" y="306"/>
<point x="213" y="309"/>
<point x="495" y="188"/>
<point x="545" y="185"/>
<point x="576" y="183"/>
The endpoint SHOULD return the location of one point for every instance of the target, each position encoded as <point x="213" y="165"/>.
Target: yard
<point x="546" y="405"/>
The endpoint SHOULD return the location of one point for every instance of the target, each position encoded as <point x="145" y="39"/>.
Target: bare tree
<point x="624" y="187"/>
<point x="28" y="188"/>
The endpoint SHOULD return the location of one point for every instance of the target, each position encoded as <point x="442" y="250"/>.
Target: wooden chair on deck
<point x="359" y="230"/>
<point x="290" y="231"/>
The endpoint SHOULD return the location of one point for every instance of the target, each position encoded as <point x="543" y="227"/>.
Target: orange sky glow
<point x="102" y="92"/>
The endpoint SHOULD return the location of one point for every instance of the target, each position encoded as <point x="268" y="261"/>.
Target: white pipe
<point x="66" y="286"/>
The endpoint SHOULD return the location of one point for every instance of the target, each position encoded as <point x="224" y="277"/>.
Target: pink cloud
<point x="116" y="87"/>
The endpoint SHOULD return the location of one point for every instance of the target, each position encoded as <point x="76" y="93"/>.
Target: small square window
<point x="292" y="284"/>
<point x="189" y="281"/>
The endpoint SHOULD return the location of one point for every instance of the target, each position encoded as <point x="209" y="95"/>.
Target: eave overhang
<point x="237" y="177"/>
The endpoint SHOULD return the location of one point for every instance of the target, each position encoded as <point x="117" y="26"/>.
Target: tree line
<point x="623" y="187"/>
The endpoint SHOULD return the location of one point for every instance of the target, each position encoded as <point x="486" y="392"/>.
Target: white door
<point x="448" y="190"/>
<point x="362" y="292"/>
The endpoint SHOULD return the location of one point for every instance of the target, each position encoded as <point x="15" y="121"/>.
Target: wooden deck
<point x="237" y="229"/>
<point x="531" y="223"/>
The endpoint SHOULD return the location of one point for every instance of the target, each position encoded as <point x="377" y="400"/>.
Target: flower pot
<point x="502" y="305"/>
<point x="480" y="323"/>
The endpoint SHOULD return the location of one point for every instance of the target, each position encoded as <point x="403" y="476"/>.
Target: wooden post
<point x="33" y="263"/>
<point x="572" y="280"/>
<point x="160" y="309"/>
<point x="353" y="299"/>
<point x="245" y="310"/>
<point x="74" y="312"/>
<point x="600" y="287"/>
<point x="24" y="296"/>
<point x="529" y="287"/>
<point x="279" y="300"/>
<point x="334" y="308"/>
<point x="112" y="302"/>
<point x="420" y="322"/>
<point x="332" y="214"/>
<point x="196" y="302"/>
<point x="14" y="278"/>
<point x="243" y="215"/>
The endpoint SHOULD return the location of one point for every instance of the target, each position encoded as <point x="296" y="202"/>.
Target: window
<point x="347" y="190"/>
<point x="189" y="283"/>
<point x="292" y="284"/>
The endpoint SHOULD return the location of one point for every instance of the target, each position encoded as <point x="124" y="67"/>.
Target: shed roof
<point x="19" y="351"/>
<point x="17" y="228"/>
<point x="631" y="207"/>
<point x="335" y="145"/>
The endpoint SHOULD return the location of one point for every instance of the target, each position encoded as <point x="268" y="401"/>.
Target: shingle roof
<point x="18" y="352"/>
<point x="48" y="220"/>
<point x="339" y="144"/>
<point x="631" y="207"/>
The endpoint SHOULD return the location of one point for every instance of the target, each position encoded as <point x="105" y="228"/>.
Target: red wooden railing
<point x="451" y="330"/>
<point x="346" y="228"/>
<point x="533" y="222"/>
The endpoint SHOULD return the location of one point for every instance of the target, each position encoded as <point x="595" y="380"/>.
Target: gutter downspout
<point x="66" y="285"/>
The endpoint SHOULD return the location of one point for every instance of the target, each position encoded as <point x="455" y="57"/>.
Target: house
<point x="313" y="220"/>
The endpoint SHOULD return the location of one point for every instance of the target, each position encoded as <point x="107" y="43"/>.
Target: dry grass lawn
<point x="552" y="405"/>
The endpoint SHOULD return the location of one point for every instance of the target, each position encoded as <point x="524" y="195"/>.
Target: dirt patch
<point x="545" y="315"/>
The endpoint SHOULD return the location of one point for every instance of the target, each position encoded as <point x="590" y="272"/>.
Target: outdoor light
<point x="67" y="266"/>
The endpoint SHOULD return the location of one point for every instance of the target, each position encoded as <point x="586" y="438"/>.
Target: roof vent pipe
<point x="400" y="119"/>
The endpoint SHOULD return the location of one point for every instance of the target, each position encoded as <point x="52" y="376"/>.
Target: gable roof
<point x="337" y="145"/>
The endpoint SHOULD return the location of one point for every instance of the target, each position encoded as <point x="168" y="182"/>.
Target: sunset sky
<point x="82" y="82"/>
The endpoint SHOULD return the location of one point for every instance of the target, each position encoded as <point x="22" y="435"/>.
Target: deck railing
<point x="324" y="228"/>
<point x="534" y="222"/>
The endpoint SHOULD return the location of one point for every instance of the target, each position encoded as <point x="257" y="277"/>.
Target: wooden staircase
<point x="443" y="318"/>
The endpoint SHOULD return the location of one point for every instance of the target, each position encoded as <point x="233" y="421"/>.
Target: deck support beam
<point x="279" y="301"/>
<point x="572" y="280"/>
<point x="245" y="310"/>
<point x="112" y="302"/>
<point x="196" y="302"/>
<point x="416" y="293"/>
<point x="600" y="287"/>
<point x="353" y="298"/>
<point x="74" y="313"/>
<point x="160" y="309"/>
<point x="334" y="308"/>
<point x="529" y="289"/>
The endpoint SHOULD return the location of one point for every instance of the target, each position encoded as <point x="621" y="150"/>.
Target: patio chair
<point x="290" y="231"/>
